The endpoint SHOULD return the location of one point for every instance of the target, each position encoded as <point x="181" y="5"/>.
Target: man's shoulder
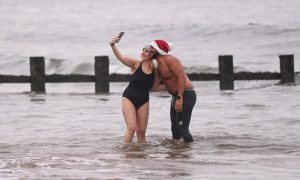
<point x="171" y="59"/>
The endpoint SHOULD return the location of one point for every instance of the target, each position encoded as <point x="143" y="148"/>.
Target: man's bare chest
<point x="164" y="72"/>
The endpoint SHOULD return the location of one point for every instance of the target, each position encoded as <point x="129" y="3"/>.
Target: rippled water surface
<point x="71" y="133"/>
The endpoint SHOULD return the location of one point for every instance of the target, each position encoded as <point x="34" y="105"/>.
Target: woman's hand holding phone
<point x="116" y="39"/>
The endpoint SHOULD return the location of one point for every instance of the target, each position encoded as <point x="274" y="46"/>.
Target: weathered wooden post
<point x="101" y="74"/>
<point x="37" y="74"/>
<point x="226" y="72"/>
<point x="287" y="68"/>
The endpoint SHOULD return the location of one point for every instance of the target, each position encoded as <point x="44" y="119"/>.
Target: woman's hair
<point x="148" y="46"/>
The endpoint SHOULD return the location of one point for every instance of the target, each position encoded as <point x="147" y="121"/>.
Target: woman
<point x="135" y="100"/>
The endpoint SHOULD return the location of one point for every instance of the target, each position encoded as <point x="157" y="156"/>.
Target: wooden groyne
<point x="102" y="77"/>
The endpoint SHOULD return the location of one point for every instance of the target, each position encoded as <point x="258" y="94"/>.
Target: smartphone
<point x="120" y="34"/>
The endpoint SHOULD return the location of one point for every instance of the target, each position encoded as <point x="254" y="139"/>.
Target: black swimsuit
<point x="139" y="86"/>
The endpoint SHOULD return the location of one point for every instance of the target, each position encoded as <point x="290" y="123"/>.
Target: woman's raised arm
<point x="128" y="61"/>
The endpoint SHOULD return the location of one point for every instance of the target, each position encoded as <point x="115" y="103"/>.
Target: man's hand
<point x="178" y="105"/>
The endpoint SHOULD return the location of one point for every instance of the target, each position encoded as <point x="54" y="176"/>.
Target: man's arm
<point x="177" y="70"/>
<point x="157" y="86"/>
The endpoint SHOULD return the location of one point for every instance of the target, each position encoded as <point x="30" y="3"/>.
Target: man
<point x="179" y="86"/>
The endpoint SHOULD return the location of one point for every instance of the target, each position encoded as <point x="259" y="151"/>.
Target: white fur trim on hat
<point x="170" y="46"/>
<point x="155" y="46"/>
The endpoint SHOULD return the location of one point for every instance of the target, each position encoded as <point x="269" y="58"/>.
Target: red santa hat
<point x="161" y="46"/>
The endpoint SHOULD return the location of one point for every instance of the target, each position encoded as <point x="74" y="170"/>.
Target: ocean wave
<point x="18" y="67"/>
<point x="55" y="66"/>
<point x="83" y="68"/>
<point x="210" y="69"/>
<point x="242" y="29"/>
<point x="63" y="66"/>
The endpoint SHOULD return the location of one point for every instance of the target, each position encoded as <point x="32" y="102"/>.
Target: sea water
<point x="71" y="133"/>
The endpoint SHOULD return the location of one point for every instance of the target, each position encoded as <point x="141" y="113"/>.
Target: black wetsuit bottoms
<point x="180" y="121"/>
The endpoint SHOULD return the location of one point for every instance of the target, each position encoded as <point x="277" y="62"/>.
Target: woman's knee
<point x="131" y="130"/>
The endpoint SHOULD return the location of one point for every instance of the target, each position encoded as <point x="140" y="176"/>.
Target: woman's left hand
<point x="114" y="40"/>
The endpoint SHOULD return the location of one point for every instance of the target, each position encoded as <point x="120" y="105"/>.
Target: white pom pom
<point x="170" y="46"/>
